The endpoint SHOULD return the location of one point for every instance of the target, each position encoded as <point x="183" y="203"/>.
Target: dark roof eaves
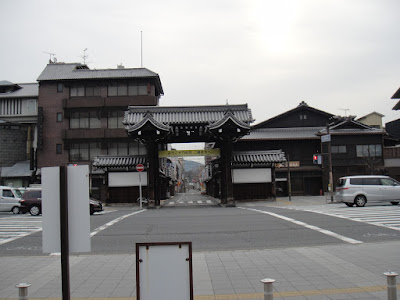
<point x="291" y="111"/>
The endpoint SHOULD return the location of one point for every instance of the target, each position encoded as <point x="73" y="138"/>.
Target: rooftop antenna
<point x="345" y="111"/>
<point x="52" y="58"/>
<point x="84" y="56"/>
<point x="141" y="49"/>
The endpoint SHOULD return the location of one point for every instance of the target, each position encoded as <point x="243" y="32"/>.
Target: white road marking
<point x="312" y="227"/>
<point x="375" y="215"/>
<point x="13" y="228"/>
<point x="105" y="226"/>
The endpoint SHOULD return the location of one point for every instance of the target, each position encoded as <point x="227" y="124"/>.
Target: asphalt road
<point x="210" y="227"/>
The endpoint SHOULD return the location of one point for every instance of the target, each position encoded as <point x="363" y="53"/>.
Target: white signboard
<point x="325" y="138"/>
<point x="251" y="175"/>
<point x="124" y="179"/>
<point x="164" y="271"/>
<point x="78" y="209"/>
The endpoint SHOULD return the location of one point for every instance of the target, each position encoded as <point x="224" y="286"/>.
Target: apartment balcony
<point x="120" y="101"/>
<point x="95" y="133"/>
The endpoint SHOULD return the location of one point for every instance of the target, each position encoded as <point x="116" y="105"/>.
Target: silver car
<point x="361" y="189"/>
<point x="9" y="199"/>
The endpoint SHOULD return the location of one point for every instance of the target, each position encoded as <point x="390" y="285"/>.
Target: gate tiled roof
<point x="294" y="133"/>
<point x="188" y="114"/>
<point x="118" y="161"/>
<point x="258" y="157"/>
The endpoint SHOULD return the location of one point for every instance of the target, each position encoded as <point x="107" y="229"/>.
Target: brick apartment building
<point x="80" y="113"/>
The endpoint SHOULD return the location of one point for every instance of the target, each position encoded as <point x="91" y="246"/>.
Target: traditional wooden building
<point x="298" y="132"/>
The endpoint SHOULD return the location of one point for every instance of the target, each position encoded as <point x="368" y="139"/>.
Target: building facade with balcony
<point x="80" y="113"/>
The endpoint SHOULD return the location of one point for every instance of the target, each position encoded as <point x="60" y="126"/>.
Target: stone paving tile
<point x="322" y="269"/>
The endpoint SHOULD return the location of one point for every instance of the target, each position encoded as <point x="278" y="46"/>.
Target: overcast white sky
<point x="336" y="55"/>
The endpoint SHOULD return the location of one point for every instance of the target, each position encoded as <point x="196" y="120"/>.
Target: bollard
<point x="391" y="285"/>
<point x="268" y="288"/>
<point x="23" y="290"/>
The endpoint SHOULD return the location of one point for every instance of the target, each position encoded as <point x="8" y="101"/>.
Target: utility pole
<point x="330" y="164"/>
<point x="288" y="179"/>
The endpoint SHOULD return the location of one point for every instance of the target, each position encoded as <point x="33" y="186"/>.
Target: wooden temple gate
<point x="158" y="126"/>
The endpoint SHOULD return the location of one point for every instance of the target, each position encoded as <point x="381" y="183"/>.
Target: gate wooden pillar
<point x="227" y="198"/>
<point x="153" y="177"/>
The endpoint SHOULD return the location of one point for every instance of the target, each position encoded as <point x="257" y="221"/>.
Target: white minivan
<point x="9" y="199"/>
<point x="361" y="189"/>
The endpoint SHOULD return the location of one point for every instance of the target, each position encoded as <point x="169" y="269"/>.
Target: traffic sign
<point x="139" y="168"/>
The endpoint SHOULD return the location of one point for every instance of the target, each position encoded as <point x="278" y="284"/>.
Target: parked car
<point x="361" y="189"/>
<point x="25" y="189"/>
<point x="32" y="201"/>
<point x="95" y="206"/>
<point x="9" y="199"/>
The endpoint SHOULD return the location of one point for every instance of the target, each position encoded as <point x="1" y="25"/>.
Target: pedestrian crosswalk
<point x="190" y="202"/>
<point x="15" y="227"/>
<point x="386" y="215"/>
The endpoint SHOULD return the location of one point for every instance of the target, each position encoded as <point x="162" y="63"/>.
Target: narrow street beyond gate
<point x="191" y="198"/>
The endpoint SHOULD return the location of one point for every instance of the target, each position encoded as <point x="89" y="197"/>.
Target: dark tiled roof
<point x="26" y="90"/>
<point x="61" y="71"/>
<point x="118" y="161"/>
<point x="353" y="131"/>
<point x="75" y="71"/>
<point x="396" y="95"/>
<point x="283" y="133"/>
<point x="6" y="83"/>
<point x="258" y="157"/>
<point x="397" y="106"/>
<point x="188" y="114"/>
<point x="350" y="126"/>
<point x="301" y="107"/>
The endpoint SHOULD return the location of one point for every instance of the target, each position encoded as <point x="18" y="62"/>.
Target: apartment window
<point x="339" y="149"/>
<point x="94" y="150"/>
<point x="59" y="117"/>
<point x="122" y="89"/>
<point x="78" y="152"/>
<point x="84" y="151"/>
<point x="77" y="91"/>
<point x="118" y="90"/>
<point x="82" y="119"/>
<point x="59" y="148"/>
<point x="118" y="149"/>
<point x="10" y="107"/>
<point x="131" y="89"/>
<point x="112" y="90"/>
<point x="91" y="91"/>
<point x="143" y="89"/>
<point x="60" y="87"/>
<point x="369" y="150"/>
<point x="115" y="119"/>
<point x="131" y="148"/>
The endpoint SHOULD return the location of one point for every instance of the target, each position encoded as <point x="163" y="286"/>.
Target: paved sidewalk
<point x="328" y="272"/>
<point x="325" y="272"/>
